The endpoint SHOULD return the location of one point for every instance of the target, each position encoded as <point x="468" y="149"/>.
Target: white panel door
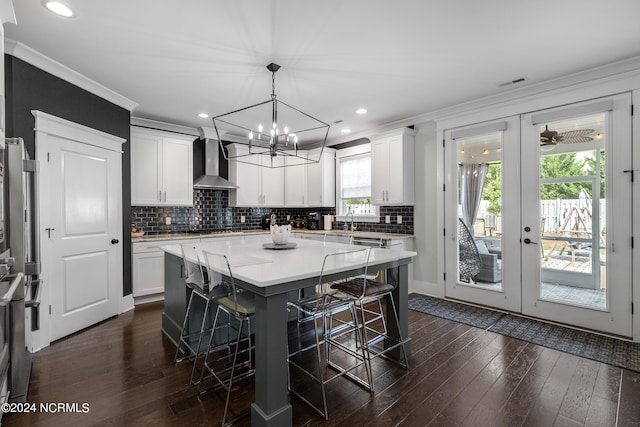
<point x="83" y="227"/>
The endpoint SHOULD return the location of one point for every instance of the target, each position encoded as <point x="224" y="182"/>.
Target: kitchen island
<point x="271" y="276"/>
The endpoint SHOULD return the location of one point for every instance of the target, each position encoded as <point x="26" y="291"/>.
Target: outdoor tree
<point x="590" y="163"/>
<point x="551" y="166"/>
<point x="558" y="166"/>
<point x="492" y="190"/>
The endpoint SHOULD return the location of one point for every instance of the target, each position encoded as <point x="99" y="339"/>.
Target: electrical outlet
<point x="399" y="219"/>
<point x="167" y="220"/>
<point x="387" y="219"/>
<point x="242" y="219"/>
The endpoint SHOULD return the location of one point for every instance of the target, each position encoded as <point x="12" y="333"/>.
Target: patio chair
<point x="475" y="261"/>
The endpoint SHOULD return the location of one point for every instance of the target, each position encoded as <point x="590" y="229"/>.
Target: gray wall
<point x="30" y="88"/>
<point x="425" y="267"/>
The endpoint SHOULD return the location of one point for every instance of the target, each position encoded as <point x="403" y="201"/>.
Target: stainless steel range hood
<point x="211" y="178"/>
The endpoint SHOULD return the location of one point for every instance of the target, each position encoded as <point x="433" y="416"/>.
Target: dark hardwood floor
<point x="459" y="375"/>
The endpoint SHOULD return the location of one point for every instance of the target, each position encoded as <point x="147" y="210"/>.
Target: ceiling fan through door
<point x="550" y="138"/>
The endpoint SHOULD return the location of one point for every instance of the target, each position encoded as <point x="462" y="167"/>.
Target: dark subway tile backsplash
<point x="211" y="211"/>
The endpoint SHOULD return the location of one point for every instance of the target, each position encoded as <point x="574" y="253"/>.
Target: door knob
<point x="528" y="241"/>
<point x="115" y="241"/>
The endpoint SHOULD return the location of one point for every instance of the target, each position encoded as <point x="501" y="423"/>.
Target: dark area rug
<point x="612" y="351"/>
<point x="616" y="352"/>
<point x="463" y="313"/>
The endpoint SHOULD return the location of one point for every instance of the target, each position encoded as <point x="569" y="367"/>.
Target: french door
<point x="482" y="214"/>
<point x="576" y="215"/>
<point x="538" y="214"/>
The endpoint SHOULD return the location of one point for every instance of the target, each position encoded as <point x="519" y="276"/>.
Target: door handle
<point x="49" y="230"/>
<point x="528" y="241"/>
<point x="115" y="241"/>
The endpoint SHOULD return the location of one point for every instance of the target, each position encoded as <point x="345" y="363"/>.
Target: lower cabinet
<point x="147" y="266"/>
<point x="148" y="273"/>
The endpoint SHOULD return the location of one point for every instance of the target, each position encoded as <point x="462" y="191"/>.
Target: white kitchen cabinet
<point x="295" y="182"/>
<point x="257" y="185"/>
<point x="161" y="169"/>
<point x="392" y="176"/>
<point x="321" y="180"/>
<point x="147" y="266"/>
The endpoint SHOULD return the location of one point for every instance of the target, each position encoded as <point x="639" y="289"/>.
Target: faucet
<point x="353" y="228"/>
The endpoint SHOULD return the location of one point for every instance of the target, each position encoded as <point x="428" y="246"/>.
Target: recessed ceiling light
<point x="361" y="111"/>
<point x="203" y="115"/>
<point x="58" y="7"/>
<point x="345" y="130"/>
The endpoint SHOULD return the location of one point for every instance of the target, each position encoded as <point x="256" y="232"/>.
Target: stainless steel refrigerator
<point x="24" y="244"/>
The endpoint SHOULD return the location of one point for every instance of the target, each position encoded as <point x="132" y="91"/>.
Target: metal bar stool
<point x="321" y="307"/>
<point x="364" y="291"/>
<point x="192" y="338"/>
<point x="238" y="306"/>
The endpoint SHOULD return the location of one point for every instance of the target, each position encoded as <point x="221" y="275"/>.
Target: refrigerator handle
<point x="6" y="298"/>
<point x="33" y="166"/>
<point x="35" y="301"/>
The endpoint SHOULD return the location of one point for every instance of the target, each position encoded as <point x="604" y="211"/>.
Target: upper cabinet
<point x="321" y="179"/>
<point x="392" y="178"/>
<point x="295" y="183"/>
<point x="258" y="185"/>
<point x="161" y="169"/>
<point x="311" y="184"/>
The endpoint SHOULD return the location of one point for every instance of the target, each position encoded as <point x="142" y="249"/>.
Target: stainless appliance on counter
<point x="313" y="221"/>
<point x="23" y="244"/>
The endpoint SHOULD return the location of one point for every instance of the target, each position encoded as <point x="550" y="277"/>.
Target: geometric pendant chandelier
<point x="272" y="133"/>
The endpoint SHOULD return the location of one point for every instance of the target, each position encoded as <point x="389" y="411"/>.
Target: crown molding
<point x="7" y="14"/>
<point x="621" y="75"/>
<point x="168" y="127"/>
<point x="37" y="59"/>
<point x="53" y="125"/>
<point x="627" y="69"/>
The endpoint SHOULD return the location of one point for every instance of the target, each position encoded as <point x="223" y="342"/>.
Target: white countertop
<point x="253" y="264"/>
<point x="359" y="234"/>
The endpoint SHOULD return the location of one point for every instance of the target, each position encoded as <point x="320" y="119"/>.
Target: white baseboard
<point x="427" y="288"/>
<point x="148" y="298"/>
<point x="126" y="303"/>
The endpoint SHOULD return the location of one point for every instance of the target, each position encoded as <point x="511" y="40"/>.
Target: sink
<point x="341" y="232"/>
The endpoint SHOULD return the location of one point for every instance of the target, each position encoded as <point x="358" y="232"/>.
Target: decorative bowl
<point x="280" y="234"/>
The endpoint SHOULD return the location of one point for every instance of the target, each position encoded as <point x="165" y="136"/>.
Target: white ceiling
<point x="398" y="59"/>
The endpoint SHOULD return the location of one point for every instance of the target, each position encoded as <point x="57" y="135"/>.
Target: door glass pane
<point x="480" y="211"/>
<point x="573" y="211"/>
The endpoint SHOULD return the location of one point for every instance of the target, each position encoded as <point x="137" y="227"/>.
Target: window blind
<point x="355" y="177"/>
